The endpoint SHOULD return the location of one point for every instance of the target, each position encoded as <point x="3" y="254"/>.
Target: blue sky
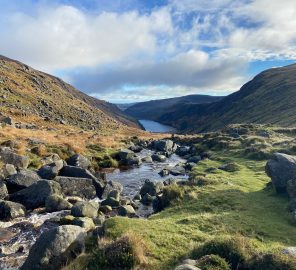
<point x="134" y="50"/>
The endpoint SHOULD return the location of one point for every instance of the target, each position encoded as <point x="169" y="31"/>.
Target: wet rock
<point x="151" y="188"/>
<point x="8" y="156"/>
<point x="137" y="197"/>
<point x="126" y="210"/>
<point x="164" y="146"/>
<point x="147" y="199"/>
<point x="112" y="185"/>
<point x="133" y="161"/>
<point x="114" y="194"/>
<point x="72" y="186"/>
<point x="105" y="209"/>
<point x="56" y="203"/>
<point x="10" y="210"/>
<point x="50" y="171"/>
<point x="112" y="202"/>
<point x="67" y="220"/>
<point x="158" y="158"/>
<point x="55" y="248"/>
<point x="170" y="181"/>
<point x="125" y="154"/>
<point x="22" y="179"/>
<point x="182" y="151"/>
<point x="147" y="159"/>
<point x="3" y="190"/>
<point x="194" y="159"/>
<point x="189" y="166"/>
<point x="164" y="172"/>
<point x="281" y="168"/>
<point x="79" y="161"/>
<point x="84" y="222"/>
<point x="85" y="209"/>
<point x="136" y="148"/>
<point x="178" y="170"/>
<point x="35" y="195"/>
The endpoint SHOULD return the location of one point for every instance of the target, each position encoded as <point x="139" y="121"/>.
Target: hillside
<point x="154" y="109"/>
<point x="268" y="98"/>
<point x="28" y="92"/>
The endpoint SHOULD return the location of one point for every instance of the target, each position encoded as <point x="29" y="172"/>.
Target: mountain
<point x="155" y="109"/>
<point x="124" y="106"/>
<point x="26" y="91"/>
<point x="269" y="98"/>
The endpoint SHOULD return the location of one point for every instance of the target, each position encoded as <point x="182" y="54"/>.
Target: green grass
<point x="237" y="204"/>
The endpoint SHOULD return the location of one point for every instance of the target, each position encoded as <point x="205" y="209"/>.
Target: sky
<point x="135" y="50"/>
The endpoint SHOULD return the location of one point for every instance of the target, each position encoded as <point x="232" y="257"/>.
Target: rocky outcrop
<point x="50" y="171"/>
<point x="79" y="161"/>
<point x="56" y="203"/>
<point x="35" y="195"/>
<point x="281" y="168"/>
<point x="55" y="248"/>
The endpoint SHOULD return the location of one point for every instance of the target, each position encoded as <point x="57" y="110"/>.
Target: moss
<point x="213" y="262"/>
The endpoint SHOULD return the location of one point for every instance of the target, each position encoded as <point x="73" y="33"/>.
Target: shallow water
<point x="157" y="127"/>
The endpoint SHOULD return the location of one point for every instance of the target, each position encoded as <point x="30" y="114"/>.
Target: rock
<point x="114" y="194"/>
<point x="55" y="248"/>
<point x="230" y="167"/>
<point x="291" y="188"/>
<point x="281" y="168"/>
<point x="189" y="166"/>
<point x="126" y="210"/>
<point x="189" y="261"/>
<point x="178" y="170"/>
<point x="3" y="190"/>
<point x="147" y="199"/>
<point x="112" y="185"/>
<point x="8" y="170"/>
<point x="290" y="251"/>
<point x="35" y="195"/>
<point x="170" y="181"/>
<point x="72" y="186"/>
<point x="112" y="202"/>
<point x="133" y="161"/>
<point x="137" y="197"/>
<point x="78" y="172"/>
<point x="136" y="148"/>
<point x="10" y="210"/>
<point x="22" y="179"/>
<point x="99" y="220"/>
<point x="164" y="172"/>
<point x="147" y="159"/>
<point x="151" y="188"/>
<point x="8" y="156"/>
<point x="105" y="209"/>
<point x="125" y="154"/>
<point x="158" y="158"/>
<point x="187" y="267"/>
<point x="7" y="120"/>
<point x="164" y="146"/>
<point x="85" y="209"/>
<point x="194" y="159"/>
<point x="56" y="203"/>
<point x="79" y="161"/>
<point x="50" y="171"/>
<point x="67" y="220"/>
<point x="84" y="222"/>
<point x="182" y="151"/>
<point x="51" y="159"/>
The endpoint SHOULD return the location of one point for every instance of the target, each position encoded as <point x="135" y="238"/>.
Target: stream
<point x="18" y="235"/>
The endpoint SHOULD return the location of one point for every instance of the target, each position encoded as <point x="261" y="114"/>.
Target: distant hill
<point x="269" y="98"/>
<point x="124" y="106"/>
<point x="27" y="91"/>
<point x="155" y="109"/>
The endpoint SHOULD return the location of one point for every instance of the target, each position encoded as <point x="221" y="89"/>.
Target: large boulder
<point x="35" y="195"/>
<point x="22" y="179"/>
<point x="8" y="156"/>
<point x="72" y="171"/>
<point x="85" y="209"/>
<point x="158" y="158"/>
<point x="112" y="185"/>
<point x="125" y="154"/>
<point x="126" y="210"/>
<point x="50" y="171"/>
<point x="167" y="146"/>
<point x="3" y="190"/>
<point x="56" y="203"/>
<point x="84" y="222"/>
<point x="55" y="248"/>
<point x="73" y="186"/>
<point x="151" y="188"/>
<point x="281" y="168"/>
<point x="10" y="210"/>
<point x="79" y="161"/>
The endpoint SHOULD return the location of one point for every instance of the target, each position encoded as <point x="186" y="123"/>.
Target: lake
<point x="157" y="127"/>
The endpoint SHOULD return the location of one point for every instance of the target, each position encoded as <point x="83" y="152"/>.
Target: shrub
<point x="213" y="262"/>
<point x="272" y="262"/>
<point x="108" y="162"/>
<point x="127" y="252"/>
<point x="233" y="250"/>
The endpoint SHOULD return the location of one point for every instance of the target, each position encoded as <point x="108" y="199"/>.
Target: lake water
<point x="153" y="126"/>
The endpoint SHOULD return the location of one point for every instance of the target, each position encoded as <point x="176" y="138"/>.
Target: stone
<point x="111" y="202"/>
<point x="125" y="154"/>
<point x="194" y="159"/>
<point x="8" y="156"/>
<point x="110" y="186"/>
<point x="147" y="159"/>
<point x="147" y="199"/>
<point x="281" y="168"/>
<point x="114" y="194"/>
<point x="8" y="170"/>
<point x="50" y="171"/>
<point x="35" y="195"/>
<point x="158" y="158"/>
<point x="85" y="209"/>
<point x="55" y="248"/>
<point x="190" y="165"/>
<point x="3" y="190"/>
<point x="164" y="172"/>
<point x="290" y="251"/>
<point x="22" y="179"/>
<point x="291" y="188"/>
<point x="10" y="210"/>
<point x="51" y="159"/>
<point x="164" y="146"/>
<point x="133" y="161"/>
<point x="187" y="267"/>
<point x="73" y="186"/>
<point x="99" y="220"/>
<point x="136" y="148"/>
<point x="67" y="220"/>
<point x="79" y="161"/>
<point x="126" y="210"/>
<point x="84" y="222"/>
<point x="152" y="188"/>
<point x="105" y="209"/>
<point x="56" y="203"/>
<point x="182" y="151"/>
<point x="178" y="170"/>
<point x="7" y="120"/>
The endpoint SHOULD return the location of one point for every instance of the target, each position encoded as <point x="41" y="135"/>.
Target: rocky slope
<point x="268" y="98"/>
<point x="155" y="109"/>
<point x="25" y="91"/>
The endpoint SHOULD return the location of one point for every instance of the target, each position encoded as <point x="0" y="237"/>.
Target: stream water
<point x="17" y="236"/>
